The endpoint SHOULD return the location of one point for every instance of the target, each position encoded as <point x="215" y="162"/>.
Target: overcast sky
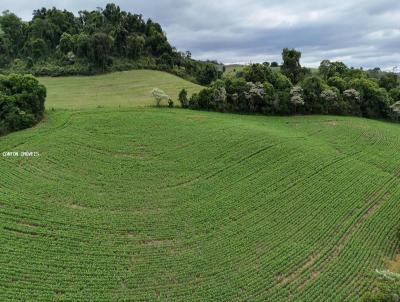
<point x="359" y="32"/>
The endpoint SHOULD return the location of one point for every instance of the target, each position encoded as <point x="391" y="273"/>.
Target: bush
<point x="21" y="102"/>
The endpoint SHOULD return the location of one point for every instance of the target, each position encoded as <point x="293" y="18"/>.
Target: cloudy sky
<point x="359" y="32"/>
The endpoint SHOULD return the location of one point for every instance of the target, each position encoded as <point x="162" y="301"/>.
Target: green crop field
<point x="147" y="204"/>
<point x="125" y="89"/>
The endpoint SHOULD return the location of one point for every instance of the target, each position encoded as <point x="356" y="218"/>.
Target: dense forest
<point x="335" y="89"/>
<point x="56" y="42"/>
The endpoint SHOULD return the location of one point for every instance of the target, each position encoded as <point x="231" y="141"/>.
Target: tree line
<point x="56" y="42"/>
<point x="335" y="89"/>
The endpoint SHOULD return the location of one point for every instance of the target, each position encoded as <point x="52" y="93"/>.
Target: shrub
<point x="21" y="102"/>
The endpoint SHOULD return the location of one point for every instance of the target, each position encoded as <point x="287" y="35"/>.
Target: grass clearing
<point x="124" y="89"/>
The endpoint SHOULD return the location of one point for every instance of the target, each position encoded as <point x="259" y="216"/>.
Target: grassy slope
<point x="128" y="88"/>
<point x="147" y="204"/>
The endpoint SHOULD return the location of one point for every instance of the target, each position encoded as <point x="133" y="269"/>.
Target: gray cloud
<point x="359" y="32"/>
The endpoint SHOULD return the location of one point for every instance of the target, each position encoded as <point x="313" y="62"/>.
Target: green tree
<point x="82" y="45"/>
<point x="337" y="82"/>
<point x="112" y="14"/>
<point x="328" y="69"/>
<point x="280" y="81"/>
<point x="208" y="74"/>
<point x="100" y="50"/>
<point x="5" y="57"/>
<point x="269" y="98"/>
<point x="37" y="48"/>
<point x="257" y="73"/>
<point x="120" y="40"/>
<point x="13" y="29"/>
<point x="66" y="43"/>
<point x="389" y="81"/>
<point x="291" y="64"/>
<point x="156" y="41"/>
<point x="313" y="87"/>
<point x="374" y="101"/>
<point x="183" y="98"/>
<point x="395" y="94"/>
<point x="134" y="46"/>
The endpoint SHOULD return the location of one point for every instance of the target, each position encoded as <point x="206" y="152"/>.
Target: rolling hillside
<point x="159" y="204"/>
<point x="125" y="89"/>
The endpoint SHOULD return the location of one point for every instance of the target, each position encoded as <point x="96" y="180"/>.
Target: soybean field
<point x="156" y="204"/>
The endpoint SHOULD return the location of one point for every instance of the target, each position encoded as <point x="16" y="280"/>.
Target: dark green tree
<point x="208" y="74"/>
<point x="389" y="81"/>
<point x="337" y="82"/>
<point x="291" y="64"/>
<point x="37" y="48"/>
<point x="134" y="46"/>
<point x="100" y="50"/>
<point x="312" y="89"/>
<point x="183" y="98"/>
<point x="13" y="32"/>
<point x="66" y="43"/>
<point x="374" y="101"/>
<point x="112" y="14"/>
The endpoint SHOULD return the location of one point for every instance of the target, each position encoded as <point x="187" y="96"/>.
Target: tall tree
<point x="291" y="64"/>
<point x="100" y="50"/>
<point x="13" y="29"/>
